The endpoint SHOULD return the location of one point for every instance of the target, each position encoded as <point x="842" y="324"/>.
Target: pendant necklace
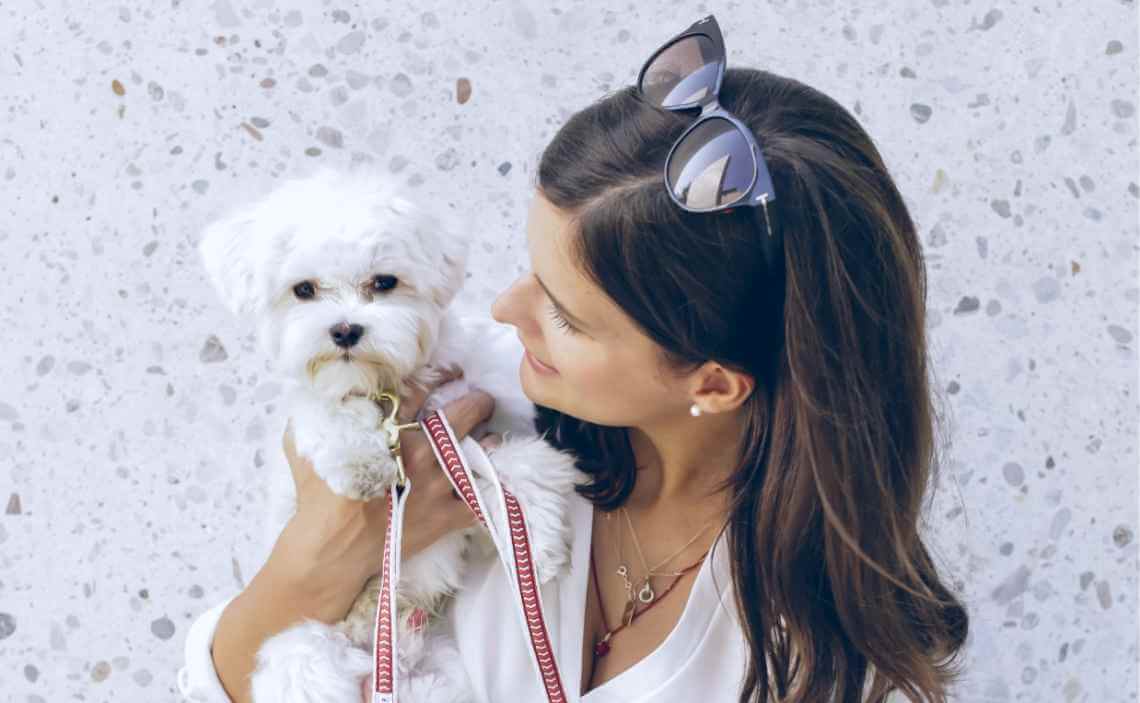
<point x="602" y="646"/>
<point x="646" y="594"/>
<point x="623" y="573"/>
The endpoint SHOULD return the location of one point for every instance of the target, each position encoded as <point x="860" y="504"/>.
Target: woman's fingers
<point x="466" y="412"/>
<point x="414" y="398"/>
<point x="463" y="413"/>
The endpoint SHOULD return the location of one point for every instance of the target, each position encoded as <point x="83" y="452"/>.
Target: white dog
<point x="349" y="286"/>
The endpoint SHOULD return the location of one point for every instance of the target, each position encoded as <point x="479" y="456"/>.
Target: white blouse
<point x="703" y="657"/>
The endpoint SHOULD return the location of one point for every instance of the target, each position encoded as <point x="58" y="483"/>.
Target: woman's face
<point x="584" y="356"/>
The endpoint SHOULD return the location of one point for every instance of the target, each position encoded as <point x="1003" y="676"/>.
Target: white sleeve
<point x="197" y="679"/>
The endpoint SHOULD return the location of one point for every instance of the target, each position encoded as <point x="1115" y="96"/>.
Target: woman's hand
<point x="334" y="544"/>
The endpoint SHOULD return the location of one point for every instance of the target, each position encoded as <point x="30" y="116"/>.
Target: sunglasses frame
<point x="760" y="190"/>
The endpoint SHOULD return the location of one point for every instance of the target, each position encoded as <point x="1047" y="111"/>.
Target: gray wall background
<point x="131" y="402"/>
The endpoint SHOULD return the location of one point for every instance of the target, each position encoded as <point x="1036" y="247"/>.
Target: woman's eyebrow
<point x="561" y="308"/>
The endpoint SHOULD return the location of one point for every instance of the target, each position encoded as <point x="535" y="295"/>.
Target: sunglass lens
<point x="712" y="166"/>
<point x="682" y="74"/>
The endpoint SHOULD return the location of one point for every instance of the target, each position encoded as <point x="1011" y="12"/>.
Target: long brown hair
<point x="838" y="594"/>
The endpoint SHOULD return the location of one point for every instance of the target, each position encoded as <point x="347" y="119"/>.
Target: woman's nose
<point x="500" y="310"/>
<point x="506" y="308"/>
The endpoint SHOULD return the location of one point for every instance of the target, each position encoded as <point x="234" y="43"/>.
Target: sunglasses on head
<point x="716" y="164"/>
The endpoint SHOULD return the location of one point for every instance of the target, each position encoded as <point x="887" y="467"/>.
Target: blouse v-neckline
<point x="666" y="658"/>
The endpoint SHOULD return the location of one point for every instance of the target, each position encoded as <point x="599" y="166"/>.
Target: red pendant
<point x="602" y="648"/>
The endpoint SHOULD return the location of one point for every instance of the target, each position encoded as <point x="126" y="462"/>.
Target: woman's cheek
<point x="588" y="374"/>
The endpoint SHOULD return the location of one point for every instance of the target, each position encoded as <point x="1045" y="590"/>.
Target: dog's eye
<point x="304" y="290"/>
<point x="384" y="282"/>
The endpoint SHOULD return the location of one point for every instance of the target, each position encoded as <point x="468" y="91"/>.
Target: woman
<point x="747" y="390"/>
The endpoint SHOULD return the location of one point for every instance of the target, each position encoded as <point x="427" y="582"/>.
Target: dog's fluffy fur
<point x="340" y="231"/>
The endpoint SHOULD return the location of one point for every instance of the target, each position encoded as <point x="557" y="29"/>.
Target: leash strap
<point x="384" y="659"/>
<point x="517" y="558"/>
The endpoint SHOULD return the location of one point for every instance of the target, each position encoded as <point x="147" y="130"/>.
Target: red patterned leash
<point x="384" y="653"/>
<point x="385" y="670"/>
<point x="520" y="563"/>
<point x="446" y="448"/>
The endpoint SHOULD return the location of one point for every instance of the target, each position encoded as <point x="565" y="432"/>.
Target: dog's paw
<point x="434" y="572"/>
<point x="429" y="376"/>
<point x="357" y="472"/>
<point x="439" y="677"/>
<point x="309" y="663"/>
<point x="367" y="477"/>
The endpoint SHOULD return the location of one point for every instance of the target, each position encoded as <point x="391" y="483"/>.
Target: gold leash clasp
<point x="391" y="429"/>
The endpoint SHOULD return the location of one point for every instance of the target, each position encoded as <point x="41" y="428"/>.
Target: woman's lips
<point x="538" y="365"/>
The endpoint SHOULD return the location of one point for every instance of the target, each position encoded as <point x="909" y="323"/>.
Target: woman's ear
<point x="721" y="388"/>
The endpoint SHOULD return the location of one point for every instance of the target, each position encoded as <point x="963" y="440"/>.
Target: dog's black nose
<point x="345" y="335"/>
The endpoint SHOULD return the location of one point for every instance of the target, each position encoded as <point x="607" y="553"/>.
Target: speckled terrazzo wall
<point x="131" y="401"/>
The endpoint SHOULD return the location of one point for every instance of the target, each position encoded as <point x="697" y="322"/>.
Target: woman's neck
<point x="685" y="461"/>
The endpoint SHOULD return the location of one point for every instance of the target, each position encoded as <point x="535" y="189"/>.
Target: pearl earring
<point x="694" y="410"/>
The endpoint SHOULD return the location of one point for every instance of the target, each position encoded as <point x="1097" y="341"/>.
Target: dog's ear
<point x="443" y="231"/>
<point x="454" y="254"/>
<point x="227" y="250"/>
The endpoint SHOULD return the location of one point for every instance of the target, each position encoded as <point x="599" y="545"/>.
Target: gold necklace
<point x="646" y="594"/>
<point x="623" y="573"/>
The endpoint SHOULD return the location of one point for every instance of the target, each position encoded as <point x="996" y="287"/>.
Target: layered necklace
<point x="644" y="597"/>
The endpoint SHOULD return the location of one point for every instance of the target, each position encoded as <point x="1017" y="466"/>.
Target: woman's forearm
<point x="248" y="620"/>
<point x="266" y="607"/>
<point x="276" y="598"/>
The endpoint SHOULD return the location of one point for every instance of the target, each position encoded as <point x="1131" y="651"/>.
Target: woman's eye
<point x="384" y="282"/>
<point x="304" y="290"/>
<point x="560" y="321"/>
